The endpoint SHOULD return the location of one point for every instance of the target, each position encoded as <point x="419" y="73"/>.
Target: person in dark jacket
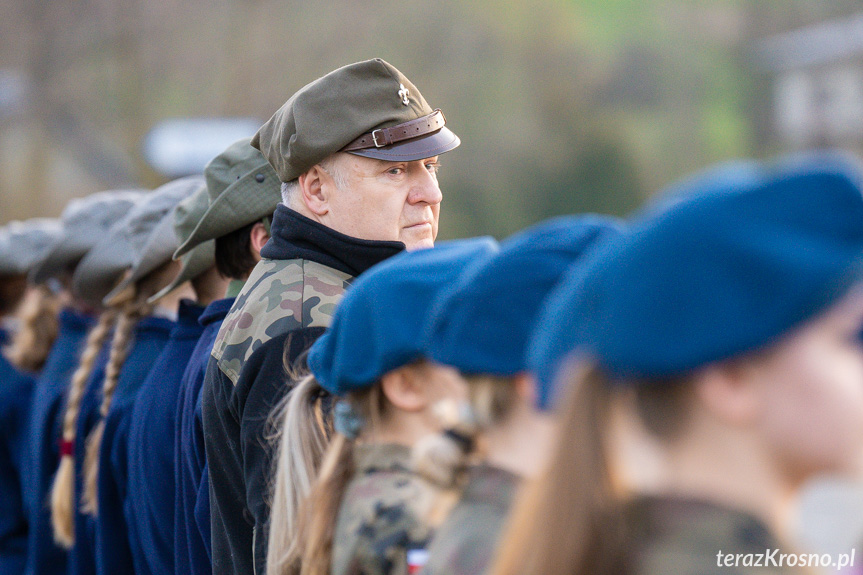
<point x="239" y="229"/>
<point x="22" y="246"/>
<point x="84" y="223"/>
<point x="356" y="151"/>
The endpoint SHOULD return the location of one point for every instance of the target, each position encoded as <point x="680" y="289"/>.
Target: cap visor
<point x="420" y="148"/>
<point x="200" y="259"/>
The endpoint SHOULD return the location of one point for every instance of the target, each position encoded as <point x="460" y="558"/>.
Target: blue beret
<point x="481" y="323"/>
<point x="725" y="265"/>
<point x="379" y="325"/>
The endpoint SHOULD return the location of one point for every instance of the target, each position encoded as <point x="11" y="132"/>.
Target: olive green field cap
<point x="124" y="245"/>
<point x="23" y="244"/>
<point x="242" y="188"/>
<point x="201" y="257"/>
<point x="369" y="109"/>
<point x="85" y="222"/>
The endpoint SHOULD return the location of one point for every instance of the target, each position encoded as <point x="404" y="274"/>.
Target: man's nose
<point x="425" y="188"/>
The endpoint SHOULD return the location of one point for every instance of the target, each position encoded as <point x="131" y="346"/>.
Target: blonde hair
<point x="442" y="457"/>
<point x="302" y="440"/>
<point x="63" y="489"/>
<point x="316" y="524"/>
<point x="32" y="343"/>
<point x="132" y="308"/>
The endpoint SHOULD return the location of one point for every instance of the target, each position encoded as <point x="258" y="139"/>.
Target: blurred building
<point x="816" y="80"/>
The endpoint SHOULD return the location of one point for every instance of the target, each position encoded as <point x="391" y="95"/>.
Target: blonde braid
<point x="63" y="489"/>
<point x="32" y="343"/>
<point x="131" y="312"/>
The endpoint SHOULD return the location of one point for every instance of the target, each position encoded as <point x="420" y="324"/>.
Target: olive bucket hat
<point x="23" y="245"/>
<point x="159" y="237"/>
<point x="242" y="188"/>
<point x="86" y="222"/>
<point x="369" y="109"/>
<point x="121" y="249"/>
<point x="201" y="257"/>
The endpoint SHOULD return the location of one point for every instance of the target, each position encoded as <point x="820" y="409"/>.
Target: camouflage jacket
<point x="279" y="296"/>
<point x="382" y="515"/>
<point x="686" y="537"/>
<point x="465" y="543"/>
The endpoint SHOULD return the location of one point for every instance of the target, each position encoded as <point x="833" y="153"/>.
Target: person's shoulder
<point x="280" y="296"/>
<point x="687" y="536"/>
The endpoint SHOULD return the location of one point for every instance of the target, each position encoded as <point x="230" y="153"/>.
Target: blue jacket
<point x="151" y="450"/>
<point x="16" y="393"/>
<point x="151" y="335"/>
<point x="192" y="551"/>
<point x="44" y="557"/>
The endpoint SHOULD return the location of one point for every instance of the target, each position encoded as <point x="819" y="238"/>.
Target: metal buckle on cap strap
<point x="406" y="131"/>
<point x="375" y="138"/>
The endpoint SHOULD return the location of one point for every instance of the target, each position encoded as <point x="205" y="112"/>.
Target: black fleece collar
<point x="294" y="236"/>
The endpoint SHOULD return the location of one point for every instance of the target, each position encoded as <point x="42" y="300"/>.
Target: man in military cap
<point x="356" y="151"/>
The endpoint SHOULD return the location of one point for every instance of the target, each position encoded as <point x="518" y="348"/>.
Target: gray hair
<point x="330" y="164"/>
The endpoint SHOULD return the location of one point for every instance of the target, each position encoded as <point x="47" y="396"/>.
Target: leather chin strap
<point x="406" y="131"/>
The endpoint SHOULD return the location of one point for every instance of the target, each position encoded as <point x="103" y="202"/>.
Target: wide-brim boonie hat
<point x="124" y="245"/>
<point x="24" y="244"/>
<point x="85" y="222"/>
<point x="195" y="262"/>
<point x="242" y="188"/>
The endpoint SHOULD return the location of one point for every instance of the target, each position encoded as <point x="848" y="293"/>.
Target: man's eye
<point x="433" y="167"/>
<point x="395" y="171"/>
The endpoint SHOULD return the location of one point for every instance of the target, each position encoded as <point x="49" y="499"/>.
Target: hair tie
<point x="346" y="420"/>
<point x="67" y="447"/>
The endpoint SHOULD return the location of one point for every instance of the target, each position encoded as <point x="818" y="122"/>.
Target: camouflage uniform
<point x="381" y="517"/>
<point x="279" y="296"/>
<point x="465" y="543"/>
<point x="683" y="537"/>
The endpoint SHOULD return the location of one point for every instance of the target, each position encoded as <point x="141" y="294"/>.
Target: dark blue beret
<point x="481" y="323"/>
<point x="380" y="323"/>
<point x="724" y="264"/>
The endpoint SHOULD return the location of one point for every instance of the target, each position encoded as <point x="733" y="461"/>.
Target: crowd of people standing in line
<point x="273" y="367"/>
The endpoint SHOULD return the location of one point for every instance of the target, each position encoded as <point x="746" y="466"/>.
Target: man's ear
<point x="403" y="389"/>
<point x="314" y="187"/>
<point x="727" y="390"/>
<point x="258" y="236"/>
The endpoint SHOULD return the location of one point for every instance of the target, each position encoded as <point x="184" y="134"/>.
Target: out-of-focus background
<point x="562" y="105"/>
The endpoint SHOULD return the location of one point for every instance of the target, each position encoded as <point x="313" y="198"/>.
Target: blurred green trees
<point x="562" y="105"/>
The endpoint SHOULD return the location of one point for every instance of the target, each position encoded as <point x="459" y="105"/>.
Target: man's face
<point x="389" y="201"/>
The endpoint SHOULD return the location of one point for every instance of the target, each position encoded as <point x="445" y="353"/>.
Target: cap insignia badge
<point x="403" y="94"/>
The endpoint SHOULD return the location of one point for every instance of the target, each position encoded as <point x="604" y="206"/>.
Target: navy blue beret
<point x="481" y="323"/>
<point x="724" y="265"/>
<point x="380" y="323"/>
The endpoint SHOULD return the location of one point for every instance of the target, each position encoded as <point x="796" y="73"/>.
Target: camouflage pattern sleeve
<point x="466" y="542"/>
<point x="382" y="516"/>
<point x="683" y="536"/>
<point x="279" y="296"/>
